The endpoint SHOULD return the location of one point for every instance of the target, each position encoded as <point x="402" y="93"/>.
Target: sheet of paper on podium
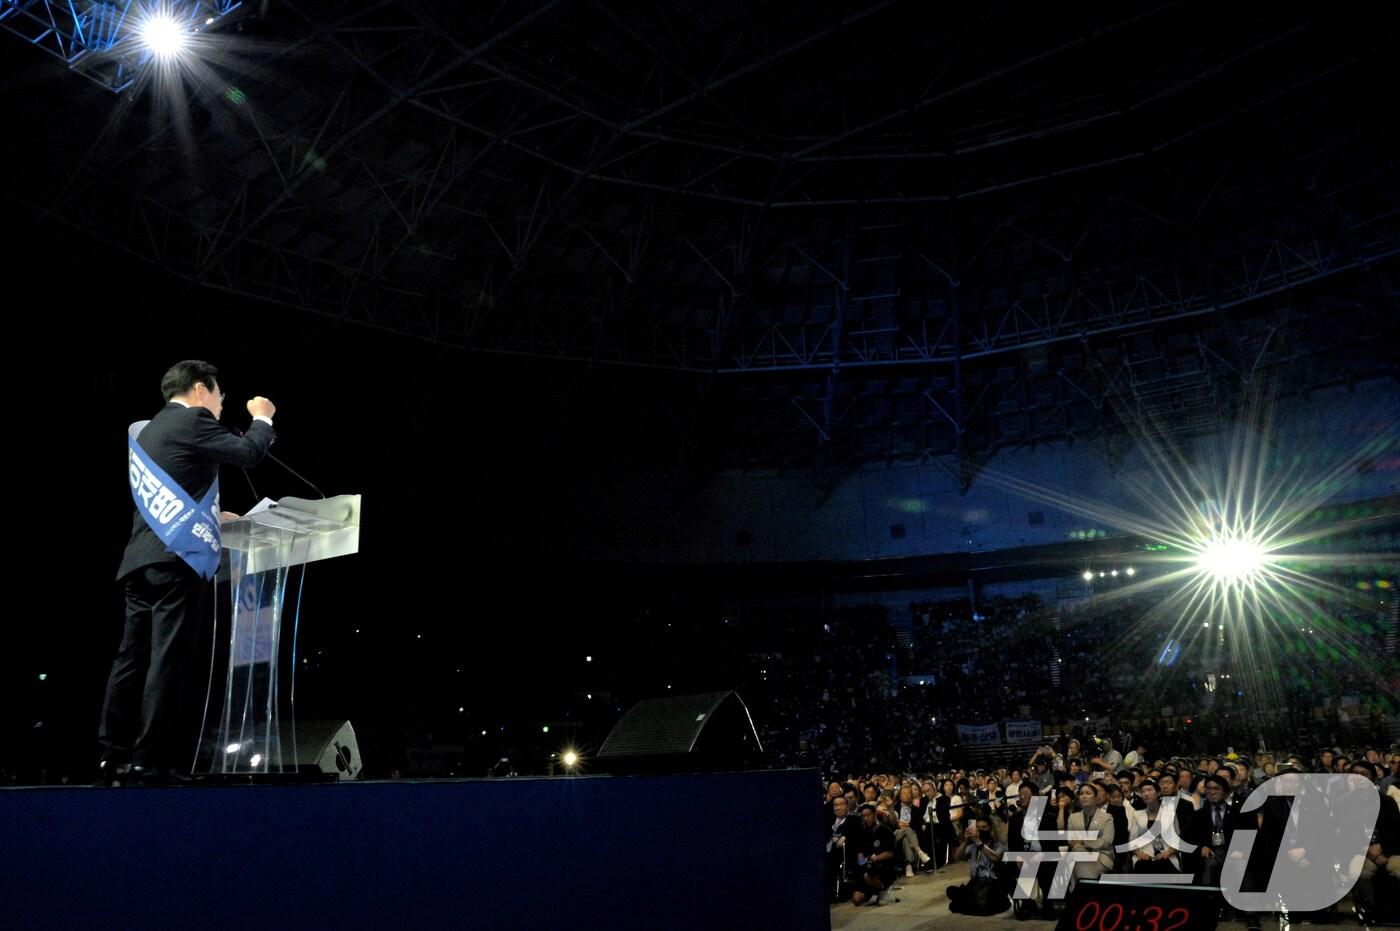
<point x="261" y="506"/>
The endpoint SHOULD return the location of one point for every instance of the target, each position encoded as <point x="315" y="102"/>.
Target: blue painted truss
<point x="100" y="39"/>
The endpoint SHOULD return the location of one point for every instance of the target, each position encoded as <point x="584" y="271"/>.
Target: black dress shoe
<point x="112" y="775"/>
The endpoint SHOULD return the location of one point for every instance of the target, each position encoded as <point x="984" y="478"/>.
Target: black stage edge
<point x="721" y="850"/>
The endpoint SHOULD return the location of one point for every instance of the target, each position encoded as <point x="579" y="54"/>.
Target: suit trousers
<point x="1366" y="883"/>
<point x="141" y="711"/>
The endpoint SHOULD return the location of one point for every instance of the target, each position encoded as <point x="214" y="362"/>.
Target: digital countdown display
<point x="1115" y="906"/>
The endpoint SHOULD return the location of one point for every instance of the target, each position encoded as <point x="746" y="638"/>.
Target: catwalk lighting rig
<point x="114" y="43"/>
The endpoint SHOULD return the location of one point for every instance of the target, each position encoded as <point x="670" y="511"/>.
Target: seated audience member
<point x="1035" y="847"/>
<point x="884" y="811"/>
<point x="1041" y="777"/>
<point x="1158" y="856"/>
<point x="1289" y="831"/>
<point x="1378" y="886"/>
<point x="1166" y="788"/>
<point x="1119" y="812"/>
<point x="1111" y="759"/>
<point x="1127" y="781"/>
<point x="1392" y="773"/>
<point x="1210" y="829"/>
<point x="907" y="839"/>
<point x="1238" y="793"/>
<point x="965" y="793"/>
<point x="833" y="792"/>
<point x="1188" y="790"/>
<point x="1092" y="817"/>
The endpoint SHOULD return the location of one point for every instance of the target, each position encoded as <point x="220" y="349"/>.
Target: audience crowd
<point x="862" y="690"/>
<point x="1153" y="813"/>
<point x="1159" y="735"/>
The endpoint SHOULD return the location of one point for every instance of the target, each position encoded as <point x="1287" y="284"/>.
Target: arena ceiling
<point x="775" y="234"/>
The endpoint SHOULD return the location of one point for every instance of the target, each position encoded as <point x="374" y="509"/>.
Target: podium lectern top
<point x="293" y="531"/>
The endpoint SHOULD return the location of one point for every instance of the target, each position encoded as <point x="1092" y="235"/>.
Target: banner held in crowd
<point x="978" y="735"/>
<point x="1022" y="731"/>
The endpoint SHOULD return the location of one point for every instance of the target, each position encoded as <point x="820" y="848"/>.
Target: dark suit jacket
<point x="1388" y="826"/>
<point x="189" y="445"/>
<point x="849" y="829"/>
<point x="1200" y="824"/>
<point x="920" y="810"/>
<point x="1049" y="821"/>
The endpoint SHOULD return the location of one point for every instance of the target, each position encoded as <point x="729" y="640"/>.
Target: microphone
<point x="294" y="472"/>
<point x="298" y="475"/>
<point x="249" y="479"/>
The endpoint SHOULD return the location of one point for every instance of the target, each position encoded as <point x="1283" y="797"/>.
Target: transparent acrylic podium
<point x="249" y="726"/>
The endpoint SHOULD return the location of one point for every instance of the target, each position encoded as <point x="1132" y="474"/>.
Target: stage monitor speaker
<point x="682" y="733"/>
<point x="329" y="746"/>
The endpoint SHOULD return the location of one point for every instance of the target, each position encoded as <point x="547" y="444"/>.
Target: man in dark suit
<point x="842" y="828"/>
<point x="164" y="595"/>
<point x="1016" y="841"/>
<point x="1210" y="829"/>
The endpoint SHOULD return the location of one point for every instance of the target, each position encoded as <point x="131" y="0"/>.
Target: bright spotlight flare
<point x="1231" y="560"/>
<point x="164" y="36"/>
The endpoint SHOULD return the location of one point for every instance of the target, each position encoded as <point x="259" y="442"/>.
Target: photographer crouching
<point x="986" y="891"/>
<point x="874" y="858"/>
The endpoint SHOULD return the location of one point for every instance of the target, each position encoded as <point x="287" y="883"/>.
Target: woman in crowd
<point x="1155" y="855"/>
<point x="1092" y="817"/>
<point x="947" y="815"/>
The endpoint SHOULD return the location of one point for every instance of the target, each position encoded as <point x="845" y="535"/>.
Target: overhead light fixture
<point x="163" y="36"/>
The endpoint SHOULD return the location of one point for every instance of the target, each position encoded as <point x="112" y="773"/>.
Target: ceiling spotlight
<point x="1130" y="570"/>
<point x="1088" y="576"/>
<point x="1114" y="573"/>
<point x="163" y="36"/>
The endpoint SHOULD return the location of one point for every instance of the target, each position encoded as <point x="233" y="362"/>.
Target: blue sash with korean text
<point x="188" y="529"/>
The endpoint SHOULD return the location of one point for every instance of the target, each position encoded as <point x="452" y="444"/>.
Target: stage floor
<point x="714" y="850"/>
